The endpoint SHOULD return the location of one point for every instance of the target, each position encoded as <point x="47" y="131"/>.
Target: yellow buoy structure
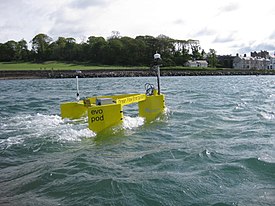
<point x="107" y="111"/>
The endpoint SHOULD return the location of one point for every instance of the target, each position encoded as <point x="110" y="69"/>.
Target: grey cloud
<point x="205" y="32"/>
<point x="60" y="17"/>
<point x="17" y="17"/>
<point x="83" y="4"/>
<point x="223" y="39"/>
<point x="229" y="7"/>
<point x="67" y="30"/>
<point x="265" y="46"/>
<point x="262" y="46"/>
<point x="245" y="50"/>
<point x="179" y="21"/>
<point x="64" y="26"/>
<point x="10" y="4"/>
<point x="272" y="36"/>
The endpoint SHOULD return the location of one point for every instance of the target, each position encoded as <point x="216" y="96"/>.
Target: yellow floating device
<point x="103" y="113"/>
<point x="106" y="111"/>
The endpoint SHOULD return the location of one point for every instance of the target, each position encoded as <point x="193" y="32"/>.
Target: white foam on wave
<point x="167" y="112"/>
<point x="268" y="115"/>
<point x="16" y="130"/>
<point x="6" y="143"/>
<point x="267" y="157"/>
<point x="241" y="106"/>
<point x="71" y="134"/>
<point x="132" y="122"/>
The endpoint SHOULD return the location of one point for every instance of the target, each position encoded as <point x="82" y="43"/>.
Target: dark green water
<point x="214" y="146"/>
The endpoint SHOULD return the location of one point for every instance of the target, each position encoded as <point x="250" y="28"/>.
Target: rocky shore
<point x="38" y="74"/>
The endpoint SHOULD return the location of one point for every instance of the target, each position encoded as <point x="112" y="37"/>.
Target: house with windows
<point x="196" y="63"/>
<point x="272" y="62"/>
<point x="244" y="62"/>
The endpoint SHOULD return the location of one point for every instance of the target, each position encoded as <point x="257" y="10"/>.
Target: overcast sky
<point x="228" y="26"/>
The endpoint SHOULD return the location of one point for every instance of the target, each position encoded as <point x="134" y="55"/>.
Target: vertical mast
<point x="157" y="61"/>
<point x="77" y="89"/>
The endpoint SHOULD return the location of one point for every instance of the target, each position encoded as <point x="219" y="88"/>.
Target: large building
<point x="244" y="62"/>
<point x="272" y="62"/>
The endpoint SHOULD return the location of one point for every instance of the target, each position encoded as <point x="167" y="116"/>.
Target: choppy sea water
<point x="215" y="145"/>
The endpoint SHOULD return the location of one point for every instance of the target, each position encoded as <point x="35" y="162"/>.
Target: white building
<point x="197" y="63"/>
<point x="272" y="62"/>
<point x="250" y="63"/>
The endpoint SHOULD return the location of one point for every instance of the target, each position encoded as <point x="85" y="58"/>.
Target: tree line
<point x="115" y="50"/>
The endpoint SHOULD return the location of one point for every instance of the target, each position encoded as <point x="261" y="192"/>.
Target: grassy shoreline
<point x="68" y="70"/>
<point x="53" y="65"/>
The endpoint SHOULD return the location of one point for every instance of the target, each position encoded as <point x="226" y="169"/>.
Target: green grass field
<point x="53" y="65"/>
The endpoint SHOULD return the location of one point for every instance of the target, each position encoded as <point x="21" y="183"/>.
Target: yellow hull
<point x="107" y="111"/>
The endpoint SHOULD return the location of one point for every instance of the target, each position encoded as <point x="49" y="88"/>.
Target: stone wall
<point x="30" y="74"/>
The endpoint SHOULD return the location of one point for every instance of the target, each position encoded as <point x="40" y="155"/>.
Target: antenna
<point x="157" y="63"/>
<point x="77" y="89"/>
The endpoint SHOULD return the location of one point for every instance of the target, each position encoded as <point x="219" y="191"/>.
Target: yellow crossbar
<point x="135" y="98"/>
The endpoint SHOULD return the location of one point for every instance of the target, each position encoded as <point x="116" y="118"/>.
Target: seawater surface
<point x="215" y="145"/>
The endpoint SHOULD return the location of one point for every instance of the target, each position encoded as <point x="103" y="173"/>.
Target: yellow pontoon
<point x="107" y="111"/>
